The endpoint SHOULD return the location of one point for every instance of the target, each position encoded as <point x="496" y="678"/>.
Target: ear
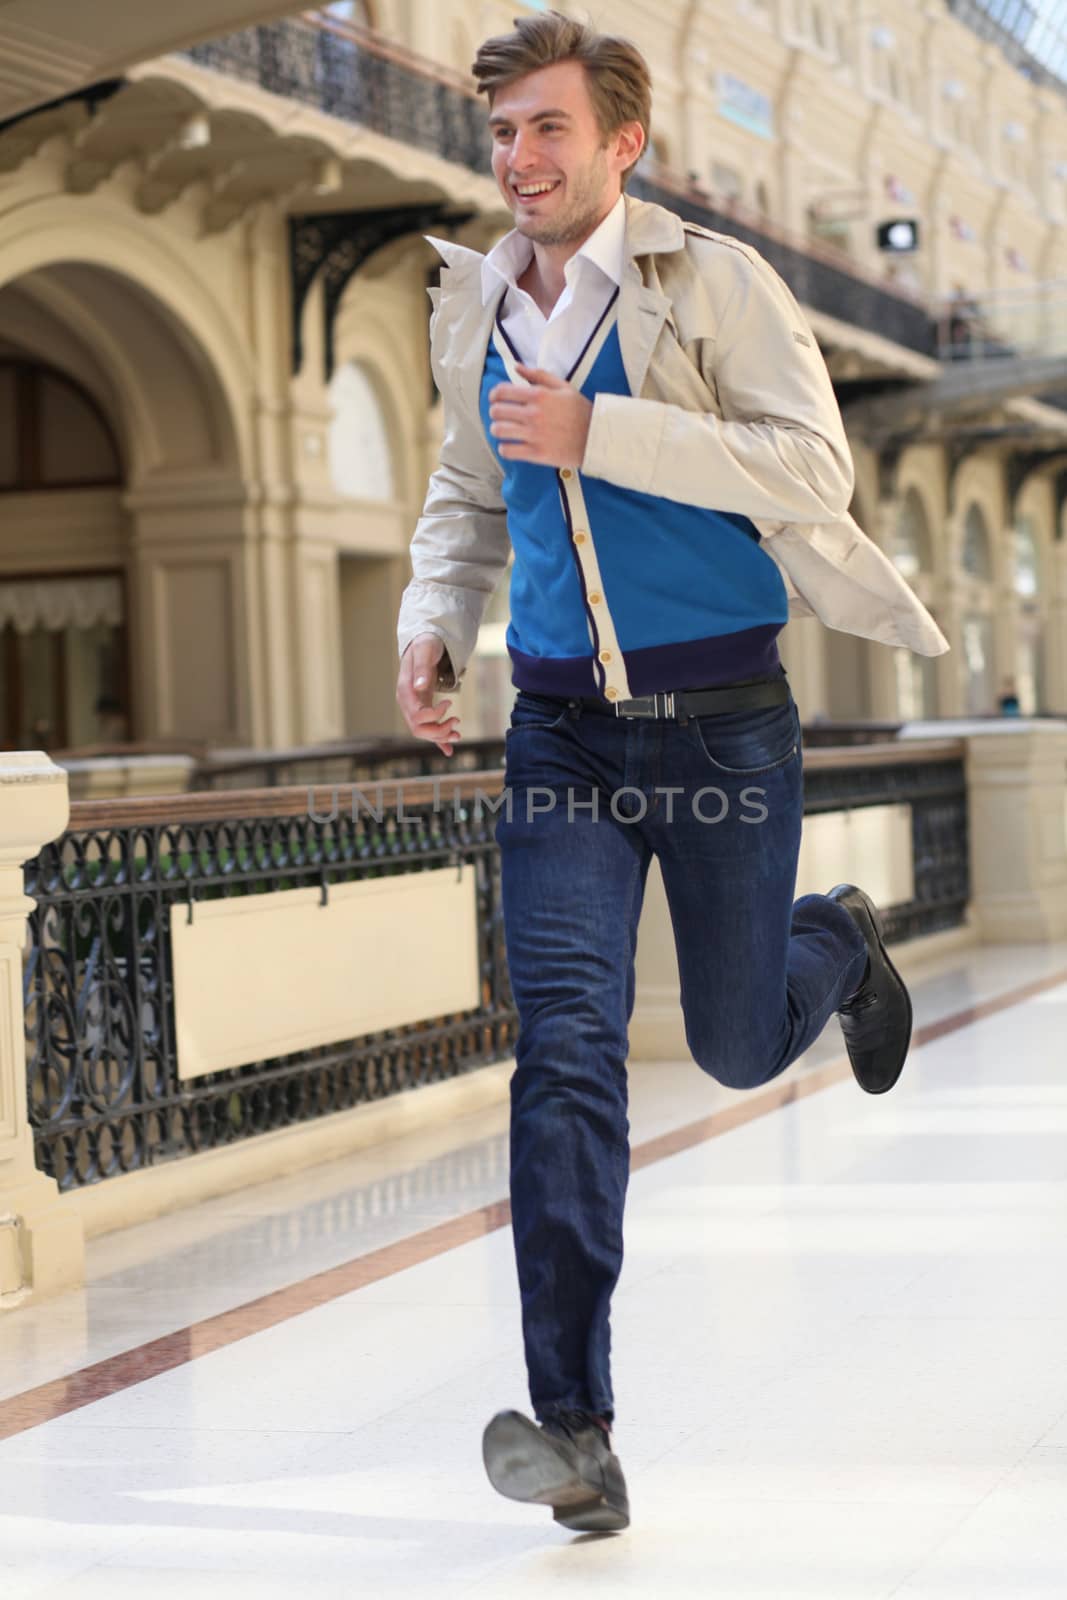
<point x="629" y="142"/>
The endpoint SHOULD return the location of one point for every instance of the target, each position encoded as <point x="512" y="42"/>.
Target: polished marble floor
<point x="838" y="1350"/>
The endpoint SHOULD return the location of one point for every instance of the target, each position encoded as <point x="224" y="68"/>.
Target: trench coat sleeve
<point x="460" y="546"/>
<point x="778" y="451"/>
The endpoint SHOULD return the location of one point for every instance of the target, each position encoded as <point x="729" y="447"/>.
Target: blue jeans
<point x="760" y="974"/>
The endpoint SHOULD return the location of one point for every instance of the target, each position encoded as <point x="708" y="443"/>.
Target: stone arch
<point x="848" y="663"/>
<point x="363" y="435"/>
<point x="380" y="335"/>
<point x="1034" y="601"/>
<point x="912" y="551"/>
<point x="380" y="328"/>
<point x="131" y="321"/>
<point x="978" y="622"/>
<point x="47" y="250"/>
<point x="913" y="546"/>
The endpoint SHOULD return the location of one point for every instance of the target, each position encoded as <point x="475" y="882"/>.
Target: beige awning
<point x="50" y="48"/>
<point x="58" y="603"/>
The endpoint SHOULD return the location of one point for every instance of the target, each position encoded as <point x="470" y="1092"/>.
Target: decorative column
<point x="1017" y="802"/>
<point x="41" y="1238"/>
<point x="885" y="700"/>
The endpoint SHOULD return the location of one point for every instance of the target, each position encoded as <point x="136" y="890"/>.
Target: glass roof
<point x="1032" y="33"/>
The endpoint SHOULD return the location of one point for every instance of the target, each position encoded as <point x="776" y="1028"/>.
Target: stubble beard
<point x="580" y="216"/>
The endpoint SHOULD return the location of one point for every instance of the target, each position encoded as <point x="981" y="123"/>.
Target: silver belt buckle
<point x="658" y="705"/>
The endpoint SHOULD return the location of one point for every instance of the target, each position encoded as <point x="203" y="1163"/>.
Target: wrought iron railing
<point x="362" y="78"/>
<point x="344" y="761"/>
<point x="105" y="1096"/>
<point x="104" y="1092"/>
<point x="359" y="78"/>
<point x="390" y="759"/>
<point x="929" y="778"/>
<point x="815" y="277"/>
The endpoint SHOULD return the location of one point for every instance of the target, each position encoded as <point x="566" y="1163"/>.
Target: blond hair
<point x="620" y="85"/>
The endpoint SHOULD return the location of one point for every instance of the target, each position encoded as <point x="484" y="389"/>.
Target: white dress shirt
<point x="592" y="275"/>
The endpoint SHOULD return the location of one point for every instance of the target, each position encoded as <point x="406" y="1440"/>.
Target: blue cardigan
<point x="684" y="595"/>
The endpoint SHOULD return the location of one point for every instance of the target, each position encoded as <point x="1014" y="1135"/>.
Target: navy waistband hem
<point x="695" y="664"/>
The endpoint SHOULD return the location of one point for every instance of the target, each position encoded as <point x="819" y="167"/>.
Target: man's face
<point x="545" y="133"/>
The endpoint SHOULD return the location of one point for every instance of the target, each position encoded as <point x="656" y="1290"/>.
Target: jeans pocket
<point x="745" y="743"/>
<point x="538" y="713"/>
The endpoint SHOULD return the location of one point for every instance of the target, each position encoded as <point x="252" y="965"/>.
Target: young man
<point x="639" y="409"/>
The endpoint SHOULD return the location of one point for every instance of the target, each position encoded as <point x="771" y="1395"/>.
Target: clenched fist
<point x="545" y="419"/>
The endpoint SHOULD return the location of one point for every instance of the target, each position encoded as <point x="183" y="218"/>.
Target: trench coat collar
<point x="464" y="323"/>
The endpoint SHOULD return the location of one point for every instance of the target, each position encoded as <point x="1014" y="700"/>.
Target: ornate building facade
<point x="216" y="412"/>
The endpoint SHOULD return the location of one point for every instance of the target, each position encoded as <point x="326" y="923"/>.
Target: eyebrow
<point x="537" y="117"/>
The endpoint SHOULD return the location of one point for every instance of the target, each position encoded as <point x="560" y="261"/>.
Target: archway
<point x="912" y="554"/>
<point x="63" y="656"/>
<point x="1028" y="597"/>
<point x="977" y="635"/>
<point x="141" y="550"/>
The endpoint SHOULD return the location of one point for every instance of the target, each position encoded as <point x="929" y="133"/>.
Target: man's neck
<point x="544" y="280"/>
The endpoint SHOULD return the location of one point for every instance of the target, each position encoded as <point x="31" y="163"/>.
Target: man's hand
<point x="545" y="420"/>
<point x="415" y="691"/>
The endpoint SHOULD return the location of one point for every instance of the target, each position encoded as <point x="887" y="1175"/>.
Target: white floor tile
<point x="837" y="1356"/>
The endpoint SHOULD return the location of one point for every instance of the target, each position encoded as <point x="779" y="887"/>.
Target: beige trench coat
<point x="735" y="411"/>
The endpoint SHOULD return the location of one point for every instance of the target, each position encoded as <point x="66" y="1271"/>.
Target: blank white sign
<point x="265" y="974"/>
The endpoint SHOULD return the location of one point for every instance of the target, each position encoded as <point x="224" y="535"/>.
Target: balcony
<point x="360" y="78"/>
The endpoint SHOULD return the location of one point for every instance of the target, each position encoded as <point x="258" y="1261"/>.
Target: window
<point x="361" y="456"/>
<point x="1025" y="565"/>
<point x="977" y="560"/>
<point x="911" y="551"/>
<point x="980" y="689"/>
<point x="52" y="433"/>
<point x="62" y="661"/>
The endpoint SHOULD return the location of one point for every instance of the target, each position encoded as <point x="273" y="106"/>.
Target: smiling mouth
<point x="536" y="193"/>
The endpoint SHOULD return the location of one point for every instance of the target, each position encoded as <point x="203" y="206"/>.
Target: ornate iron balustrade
<point x="104" y="1093"/>
<point x="361" y="78"/>
<point x="932" y="781"/>
<point x="346" y="761"/>
<point x="348" y="74"/>
<point x="816" y="280"/>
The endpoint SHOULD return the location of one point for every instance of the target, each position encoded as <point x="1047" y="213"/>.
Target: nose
<point x="522" y="154"/>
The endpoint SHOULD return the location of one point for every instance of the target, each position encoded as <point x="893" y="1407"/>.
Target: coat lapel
<point x="642" y="313"/>
<point x="462" y="325"/>
<point x="643" y="308"/>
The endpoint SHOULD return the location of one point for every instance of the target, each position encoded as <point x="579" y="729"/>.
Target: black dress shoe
<point x="567" y="1464"/>
<point x="876" y="1020"/>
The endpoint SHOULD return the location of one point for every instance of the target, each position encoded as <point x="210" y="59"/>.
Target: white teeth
<point x="534" y="188"/>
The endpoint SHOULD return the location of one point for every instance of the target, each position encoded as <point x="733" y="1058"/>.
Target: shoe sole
<point x="524" y="1464"/>
<point x="874" y="917"/>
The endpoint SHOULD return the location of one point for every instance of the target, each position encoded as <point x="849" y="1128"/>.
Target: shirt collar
<point x="605" y="248"/>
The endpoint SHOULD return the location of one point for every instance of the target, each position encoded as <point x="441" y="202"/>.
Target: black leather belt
<point x="680" y="704"/>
